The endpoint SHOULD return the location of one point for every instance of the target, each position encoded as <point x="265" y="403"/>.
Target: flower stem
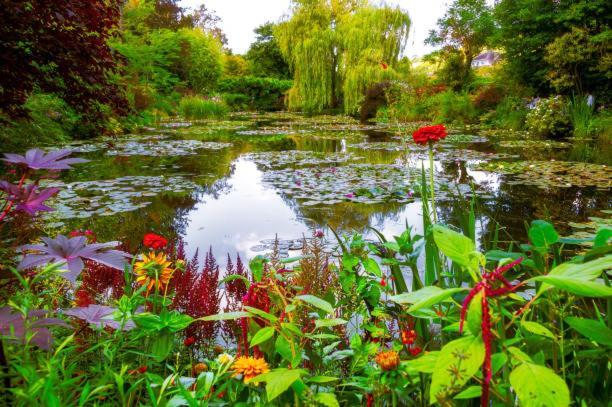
<point x="431" y="182"/>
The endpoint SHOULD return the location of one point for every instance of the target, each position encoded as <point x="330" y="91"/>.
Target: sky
<point x="240" y="17"/>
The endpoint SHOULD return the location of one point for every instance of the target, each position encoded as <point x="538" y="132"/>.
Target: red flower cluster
<point x="153" y="241"/>
<point x="428" y="134"/>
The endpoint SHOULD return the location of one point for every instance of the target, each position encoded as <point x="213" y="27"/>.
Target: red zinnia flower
<point x="189" y="341"/>
<point x="429" y="133"/>
<point x="384" y="66"/>
<point x="408" y="336"/>
<point x="154" y="241"/>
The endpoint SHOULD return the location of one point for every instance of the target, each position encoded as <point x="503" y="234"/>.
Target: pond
<point x="236" y="185"/>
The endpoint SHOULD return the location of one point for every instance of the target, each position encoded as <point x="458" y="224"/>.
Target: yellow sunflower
<point x="249" y="367"/>
<point x="153" y="270"/>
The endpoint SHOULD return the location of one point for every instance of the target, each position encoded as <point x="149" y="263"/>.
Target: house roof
<point x="490" y="56"/>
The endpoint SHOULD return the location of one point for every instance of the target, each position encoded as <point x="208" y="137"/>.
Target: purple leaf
<point x="37" y="159"/>
<point x="72" y="251"/>
<point x="12" y="326"/>
<point x="99" y="315"/>
<point x="28" y="199"/>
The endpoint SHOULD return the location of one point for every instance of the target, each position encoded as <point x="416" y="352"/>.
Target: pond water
<point x="236" y="185"/>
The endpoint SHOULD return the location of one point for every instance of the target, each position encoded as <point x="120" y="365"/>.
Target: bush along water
<point x="198" y="107"/>
<point x="87" y="323"/>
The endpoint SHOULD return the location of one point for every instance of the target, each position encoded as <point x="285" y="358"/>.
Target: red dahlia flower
<point x="429" y="133"/>
<point x="153" y="241"/>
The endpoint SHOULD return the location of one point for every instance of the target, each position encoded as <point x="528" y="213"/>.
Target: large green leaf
<point x="474" y="315"/>
<point x="537" y="329"/>
<point x="423" y="364"/>
<point x="460" y="249"/>
<point x="327" y="399"/>
<point x="425" y="297"/>
<point x="578" y="278"/>
<point x="278" y="381"/>
<point x="317" y="302"/>
<point x="262" y="335"/>
<point x="592" y="329"/>
<point x="320" y="323"/>
<point x="372" y="267"/>
<point x="539" y="386"/>
<point x="463" y="357"/>
<point x="542" y="235"/>
<point x="225" y="316"/>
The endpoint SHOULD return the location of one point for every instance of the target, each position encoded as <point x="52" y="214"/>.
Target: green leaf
<point x="327" y="399"/>
<point x="278" y="381"/>
<point x="575" y="286"/>
<point x="260" y="313"/>
<point x="578" y="278"/>
<point x="474" y="315"/>
<point x="225" y="316"/>
<point x="592" y="329"/>
<point x="424" y="364"/>
<point x="538" y="386"/>
<point x="319" y="323"/>
<point x="317" y="302"/>
<point x="542" y="235"/>
<point x="537" y="329"/>
<point x="460" y="249"/>
<point x="372" y="267"/>
<point x="322" y="379"/>
<point x="262" y="335"/>
<point x="425" y="297"/>
<point x="469" y="393"/>
<point x="233" y="277"/>
<point x="464" y="356"/>
<point x="257" y="267"/>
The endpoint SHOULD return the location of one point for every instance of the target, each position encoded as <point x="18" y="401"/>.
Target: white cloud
<point x="240" y="17"/>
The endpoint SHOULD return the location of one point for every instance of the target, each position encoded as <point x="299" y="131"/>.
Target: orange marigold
<point x="388" y="360"/>
<point x="249" y="367"/>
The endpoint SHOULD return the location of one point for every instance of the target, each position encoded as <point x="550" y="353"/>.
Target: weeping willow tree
<point x="336" y="49"/>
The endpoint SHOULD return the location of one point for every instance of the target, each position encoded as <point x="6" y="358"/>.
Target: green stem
<point x="431" y="182"/>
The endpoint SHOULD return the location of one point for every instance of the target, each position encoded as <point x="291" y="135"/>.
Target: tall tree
<point x="561" y="45"/>
<point x="463" y="32"/>
<point x="59" y="47"/>
<point x="264" y="56"/>
<point x="336" y="48"/>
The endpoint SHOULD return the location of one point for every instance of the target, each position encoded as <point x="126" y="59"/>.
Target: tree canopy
<point x="265" y="57"/>
<point x="336" y="49"/>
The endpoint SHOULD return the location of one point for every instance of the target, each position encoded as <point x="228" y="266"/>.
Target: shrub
<point x="549" y="117"/>
<point x="509" y="114"/>
<point x="197" y="107"/>
<point x="51" y="121"/>
<point x="488" y="97"/>
<point x="262" y="93"/>
<point x="455" y="108"/>
<point x="236" y="101"/>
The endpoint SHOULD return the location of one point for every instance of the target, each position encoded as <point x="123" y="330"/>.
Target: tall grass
<point x="455" y="108"/>
<point x="197" y="107"/>
<point x="510" y="114"/>
<point x="581" y="116"/>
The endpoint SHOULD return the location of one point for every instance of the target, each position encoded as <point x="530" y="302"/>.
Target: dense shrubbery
<point x="549" y="117"/>
<point x="197" y="107"/>
<point x="258" y="93"/>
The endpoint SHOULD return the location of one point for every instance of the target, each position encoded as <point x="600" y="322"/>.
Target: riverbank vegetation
<point x="493" y="288"/>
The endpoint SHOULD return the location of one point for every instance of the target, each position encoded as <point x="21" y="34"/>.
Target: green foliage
<point x="509" y="114"/>
<point x="454" y="108"/>
<point x="262" y="94"/>
<point x="464" y="31"/>
<point x="235" y="65"/>
<point x="336" y="50"/>
<point x="562" y="45"/>
<point x="264" y="56"/>
<point x="582" y="116"/>
<point x="539" y="386"/>
<point x="51" y="121"/>
<point x="549" y="118"/>
<point x="197" y="107"/>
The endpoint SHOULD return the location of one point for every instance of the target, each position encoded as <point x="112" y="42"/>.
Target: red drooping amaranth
<point x="486" y="288"/>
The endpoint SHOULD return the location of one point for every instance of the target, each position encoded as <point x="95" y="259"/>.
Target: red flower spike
<point x="486" y="287"/>
<point x="154" y="241"/>
<point x="189" y="341"/>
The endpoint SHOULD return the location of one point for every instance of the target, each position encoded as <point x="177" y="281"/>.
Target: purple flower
<point x="28" y="198"/>
<point x="12" y="325"/>
<point x="99" y="315"/>
<point x="351" y="195"/>
<point x="37" y="159"/>
<point x="72" y="252"/>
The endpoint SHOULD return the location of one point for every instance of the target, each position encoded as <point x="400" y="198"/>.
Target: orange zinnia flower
<point x="153" y="270"/>
<point x="388" y="360"/>
<point x="249" y="367"/>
